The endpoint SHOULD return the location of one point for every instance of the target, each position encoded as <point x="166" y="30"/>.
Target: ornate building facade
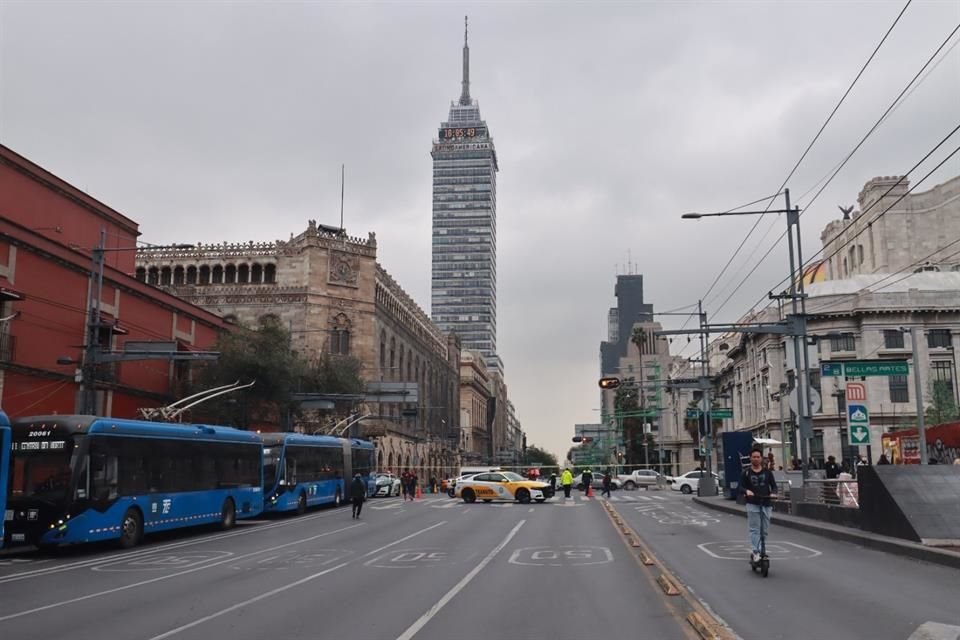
<point x="329" y="291"/>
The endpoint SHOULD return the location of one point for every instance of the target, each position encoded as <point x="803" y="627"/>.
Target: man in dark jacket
<point x="358" y="493"/>
<point x="758" y="486"/>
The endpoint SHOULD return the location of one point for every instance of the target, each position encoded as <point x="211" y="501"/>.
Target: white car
<point x="639" y="478"/>
<point x="688" y="482"/>
<point x="387" y="485"/>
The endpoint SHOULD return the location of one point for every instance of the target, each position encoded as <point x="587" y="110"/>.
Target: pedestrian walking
<point x="405" y="482"/>
<point x="566" y="481"/>
<point x="358" y="493"/>
<point x="607" y="481"/>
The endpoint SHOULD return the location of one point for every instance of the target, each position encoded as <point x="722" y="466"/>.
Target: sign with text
<point x="864" y="368"/>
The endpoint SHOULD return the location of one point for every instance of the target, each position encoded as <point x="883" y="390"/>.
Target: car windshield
<point x="511" y="476"/>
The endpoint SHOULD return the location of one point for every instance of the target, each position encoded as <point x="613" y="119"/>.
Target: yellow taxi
<point x="502" y="485"/>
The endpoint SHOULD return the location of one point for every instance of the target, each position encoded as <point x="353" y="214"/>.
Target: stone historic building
<point x="329" y="291"/>
<point x="475" y="442"/>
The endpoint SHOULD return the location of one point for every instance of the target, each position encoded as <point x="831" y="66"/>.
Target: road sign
<point x="856" y="392"/>
<point x="859" y="434"/>
<point x="693" y="414"/>
<point x="721" y="414"/>
<point x="865" y="368"/>
<point x="831" y="369"/>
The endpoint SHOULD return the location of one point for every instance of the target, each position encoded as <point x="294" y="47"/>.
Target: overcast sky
<point x="208" y="122"/>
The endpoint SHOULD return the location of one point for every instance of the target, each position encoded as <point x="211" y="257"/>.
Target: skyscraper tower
<point x="464" y="285"/>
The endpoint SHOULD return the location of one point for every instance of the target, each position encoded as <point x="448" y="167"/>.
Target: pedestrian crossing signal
<point x="609" y="383"/>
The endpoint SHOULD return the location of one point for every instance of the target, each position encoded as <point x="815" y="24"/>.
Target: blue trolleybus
<point x="4" y="470"/>
<point x="77" y="479"/>
<point x="301" y="471"/>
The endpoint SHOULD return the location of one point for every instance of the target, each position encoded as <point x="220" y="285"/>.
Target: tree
<point x="262" y="355"/>
<point x="943" y="404"/>
<point x="545" y="458"/>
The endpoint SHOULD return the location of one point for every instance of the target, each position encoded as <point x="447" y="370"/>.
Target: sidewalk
<point x="856" y="536"/>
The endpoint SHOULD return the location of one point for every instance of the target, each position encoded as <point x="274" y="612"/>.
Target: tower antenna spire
<point x="465" y="92"/>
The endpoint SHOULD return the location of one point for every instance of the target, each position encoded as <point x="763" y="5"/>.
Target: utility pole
<point x="706" y="485"/>
<point x="88" y="369"/>
<point x="918" y="391"/>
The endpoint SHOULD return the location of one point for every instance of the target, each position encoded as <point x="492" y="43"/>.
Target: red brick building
<point x="48" y="230"/>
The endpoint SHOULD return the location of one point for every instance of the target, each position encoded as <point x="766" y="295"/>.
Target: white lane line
<point x="457" y="588"/>
<point x="274" y="592"/>
<point x="530" y="510"/>
<point x="129" y="555"/>
<point x="90" y="596"/>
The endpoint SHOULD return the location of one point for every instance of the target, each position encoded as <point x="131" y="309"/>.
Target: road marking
<point x="274" y="592"/>
<point x="90" y="596"/>
<point x="564" y="555"/>
<point x="113" y="557"/>
<point x="457" y="588"/>
<point x="738" y="550"/>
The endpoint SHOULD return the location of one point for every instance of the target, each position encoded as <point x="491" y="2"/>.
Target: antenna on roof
<point x="342" y="170"/>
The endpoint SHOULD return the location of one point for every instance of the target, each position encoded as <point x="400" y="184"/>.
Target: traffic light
<point x="609" y="383"/>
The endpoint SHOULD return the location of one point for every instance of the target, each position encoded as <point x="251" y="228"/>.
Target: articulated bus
<point x="4" y="470"/>
<point x="301" y="471"/>
<point x="76" y="479"/>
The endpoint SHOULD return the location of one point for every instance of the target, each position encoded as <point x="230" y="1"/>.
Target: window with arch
<point x="153" y="276"/>
<point x="243" y="274"/>
<point x="383" y="350"/>
<point x="256" y="274"/>
<point x="178" y="276"/>
<point x="204" y="274"/>
<point x="218" y="274"/>
<point x="166" y="276"/>
<point x="230" y="274"/>
<point x="393" y="354"/>
<point x="270" y="274"/>
<point x="340" y="335"/>
<point x="191" y="275"/>
<point x="142" y="274"/>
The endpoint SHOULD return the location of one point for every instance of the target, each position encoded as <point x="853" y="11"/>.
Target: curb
<point x="687" y="607"/>
<point x="866" y="539"/>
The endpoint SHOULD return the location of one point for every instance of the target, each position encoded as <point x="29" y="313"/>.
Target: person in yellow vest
<point x="566" y="481"/>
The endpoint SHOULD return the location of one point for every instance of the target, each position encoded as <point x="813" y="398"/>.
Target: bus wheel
<point x="228" y="515"/>
<point x="131" y="529"/>
<point x="301" y="505"/>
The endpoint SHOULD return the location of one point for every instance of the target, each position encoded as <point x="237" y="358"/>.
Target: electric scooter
<point x="763" y="564"/>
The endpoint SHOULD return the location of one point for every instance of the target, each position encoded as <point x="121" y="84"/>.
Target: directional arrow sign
<point x="859" y="435"/>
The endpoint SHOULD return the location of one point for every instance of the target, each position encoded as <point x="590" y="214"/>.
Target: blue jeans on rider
<point x="757" y="516"/>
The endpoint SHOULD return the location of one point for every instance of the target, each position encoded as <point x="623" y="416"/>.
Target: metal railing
<point x="837" y="493"/>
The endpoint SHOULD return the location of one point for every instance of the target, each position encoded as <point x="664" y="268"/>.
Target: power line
<point x="809" y="147"/>
<point x="841" y="165"/>
<point x="809" y="260"/>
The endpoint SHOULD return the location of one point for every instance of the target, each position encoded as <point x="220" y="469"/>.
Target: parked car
<point x="638" y="478"/>
<point x="688" y="482"/>
<point x="387" y="485"/>
<point x="597" y="482"/>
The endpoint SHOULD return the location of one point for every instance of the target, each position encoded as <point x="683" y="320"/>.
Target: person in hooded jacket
<point x="358" y="493"/>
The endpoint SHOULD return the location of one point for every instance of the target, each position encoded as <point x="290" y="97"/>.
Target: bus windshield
<point x="42" y="473"/>
<point x="271" y="460"/>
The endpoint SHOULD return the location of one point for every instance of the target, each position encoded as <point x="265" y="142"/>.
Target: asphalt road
<point x="817" y="588"/>
<point x="434" y="569"/>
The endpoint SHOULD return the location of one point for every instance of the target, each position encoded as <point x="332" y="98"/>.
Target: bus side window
<point x="83" y="483"/>
<point x="105" y="476"/>
<point x="291" y="471"/>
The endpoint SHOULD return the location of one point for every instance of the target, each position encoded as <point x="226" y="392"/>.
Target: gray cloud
<point x="229" y="121"/>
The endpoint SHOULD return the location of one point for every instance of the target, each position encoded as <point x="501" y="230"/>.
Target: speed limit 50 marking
<point x="563" y="556"/>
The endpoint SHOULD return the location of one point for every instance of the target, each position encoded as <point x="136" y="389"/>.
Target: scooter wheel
<point x="764" y="567"/>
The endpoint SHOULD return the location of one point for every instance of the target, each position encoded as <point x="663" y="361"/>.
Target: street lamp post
<point x="93" y="356"/>
<point x="799" y="333"/>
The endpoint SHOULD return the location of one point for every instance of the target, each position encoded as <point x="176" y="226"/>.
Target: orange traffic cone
<point x="589" y="491"/>
<point x="419" y="492"/>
